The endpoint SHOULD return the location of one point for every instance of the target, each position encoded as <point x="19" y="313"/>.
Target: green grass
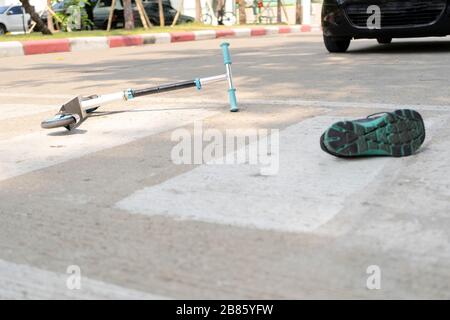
<point x="114" y="32"/>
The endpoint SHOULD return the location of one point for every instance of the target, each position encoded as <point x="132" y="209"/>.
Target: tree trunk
<point x="242" y="15"/>
<point x="278" y="11"/>
<point x="198" y="11"/>
<point x="161" y="14"/>
<point x="298" y="12"/>
<point x="35" y="17"/>
<point x="128" y="15"/>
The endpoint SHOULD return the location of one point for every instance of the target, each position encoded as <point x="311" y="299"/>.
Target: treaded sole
<point x="399" y="134"/>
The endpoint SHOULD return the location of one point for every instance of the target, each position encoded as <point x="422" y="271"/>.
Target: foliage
<point x="71" y="14"/>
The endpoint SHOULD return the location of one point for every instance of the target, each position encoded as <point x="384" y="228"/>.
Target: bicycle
<point x="226" y="18"/>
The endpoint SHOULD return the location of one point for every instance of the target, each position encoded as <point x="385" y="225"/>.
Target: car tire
<point x="2" y="29"/>
<point x="336" y="45"/>
<point x="384" y="40"/>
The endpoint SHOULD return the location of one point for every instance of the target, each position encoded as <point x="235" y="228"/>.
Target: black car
<point x="344" y="20"/>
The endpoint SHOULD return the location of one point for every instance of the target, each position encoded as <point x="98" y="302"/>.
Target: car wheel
<point x="2" y="29"/>
<point x="384" y="40"/>
<point x="336" y="45"/>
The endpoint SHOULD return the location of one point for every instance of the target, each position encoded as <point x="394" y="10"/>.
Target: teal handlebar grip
<point x="226" y="53"/>
<point x="233" y="100"/>
<point x="231" y="88"/>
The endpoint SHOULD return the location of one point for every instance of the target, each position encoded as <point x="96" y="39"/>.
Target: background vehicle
<point x="102" y="8"/>
<point x="344" y="20"/>
<point x="13" y="19"/>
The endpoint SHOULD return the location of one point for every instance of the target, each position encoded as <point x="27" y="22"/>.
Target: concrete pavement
<point x="109" y="199"/>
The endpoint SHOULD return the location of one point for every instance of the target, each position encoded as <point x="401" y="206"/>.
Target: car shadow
<point x="405" y="47"/>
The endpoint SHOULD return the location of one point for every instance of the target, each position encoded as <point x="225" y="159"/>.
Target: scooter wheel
<point x="59" y="120"/>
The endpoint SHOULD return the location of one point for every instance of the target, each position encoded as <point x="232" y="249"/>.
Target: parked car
<point x="13" y="19"/>
<point x="344" y="20"/>
<point x="103" y="7"/>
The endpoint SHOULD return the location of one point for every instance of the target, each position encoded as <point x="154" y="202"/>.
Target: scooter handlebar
<point x="226" y="53"/>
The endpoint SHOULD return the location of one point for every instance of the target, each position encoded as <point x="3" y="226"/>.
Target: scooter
<point x="74" y="112"/>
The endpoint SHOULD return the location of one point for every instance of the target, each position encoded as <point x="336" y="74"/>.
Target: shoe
<point x="397" y="134"/>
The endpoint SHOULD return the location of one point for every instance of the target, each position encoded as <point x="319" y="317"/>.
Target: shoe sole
<point x="397" y="134"/>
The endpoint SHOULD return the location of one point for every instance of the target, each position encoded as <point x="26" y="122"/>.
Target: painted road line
<point x="125" y="41"/>
<point x="11" y="49"/>
<point x="44" y="148"/>
<point x="162" y="37"/>
<point x="88" y="43"/>
<point x="46" y="46"/>
<point x="242" y="32"/>
<point x="9" y="111"/>
<point x="182" y="36"/>
<point x="237" y="195"/>
<point x="225" y="33"/>
<point x="205" y="34"/>
<point x="26" y="282"/>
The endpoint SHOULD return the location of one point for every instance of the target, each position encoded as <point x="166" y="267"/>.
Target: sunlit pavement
<point x="107" y="200"/>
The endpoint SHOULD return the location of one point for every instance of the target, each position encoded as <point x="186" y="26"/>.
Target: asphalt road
<point x="109" y="199"/>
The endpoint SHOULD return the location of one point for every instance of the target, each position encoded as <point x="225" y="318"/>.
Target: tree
<point x="242" y="15"/>
<point x="198" y="11"/>
<point x="298" y="12"/>
<point x="278" y="11"/>
<point x="128" y="15"/>
<point x="35" y="17"/>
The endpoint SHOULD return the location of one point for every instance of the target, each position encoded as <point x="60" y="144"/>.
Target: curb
<point x="32" y="47"/>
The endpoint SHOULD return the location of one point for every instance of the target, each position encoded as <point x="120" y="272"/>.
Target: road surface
<point x="108" y="201"/>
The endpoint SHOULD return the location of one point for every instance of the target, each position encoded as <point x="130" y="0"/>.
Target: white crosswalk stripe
<point x="237" y="195"/>
<point x="37" y="150"/>
<point x="9" y="111"/>
<point x="24" y="282"/>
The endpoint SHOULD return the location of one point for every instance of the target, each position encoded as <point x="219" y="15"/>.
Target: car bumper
<point x="335" y="23"/>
